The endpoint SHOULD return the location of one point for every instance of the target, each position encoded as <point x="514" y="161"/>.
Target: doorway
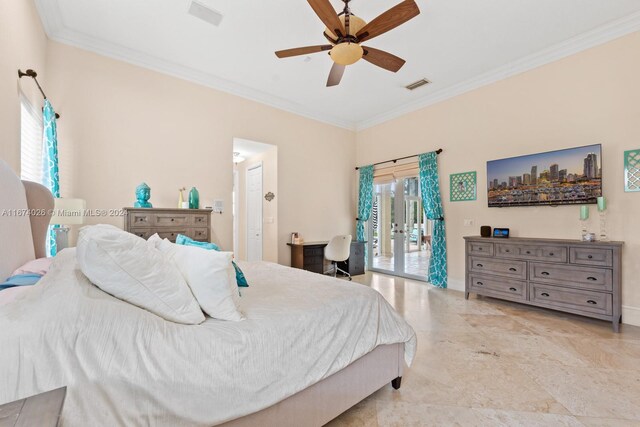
<point x="400" y="242"/>
<point x="255" y="201"/>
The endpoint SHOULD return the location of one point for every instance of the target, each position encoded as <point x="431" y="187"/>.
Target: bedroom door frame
<point x="254" y="211"/>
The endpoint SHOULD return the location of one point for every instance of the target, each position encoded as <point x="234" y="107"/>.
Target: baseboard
<point x="455" y="285"/>
<point x="630" y="315"/>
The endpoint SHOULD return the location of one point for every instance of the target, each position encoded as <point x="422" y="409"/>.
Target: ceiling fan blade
<point x="397" y="15"/>
<point x="335" y="75"/>
<point x="382" y="59"/>
<point x="327" y="15"/>
<point x="302" y="50"/>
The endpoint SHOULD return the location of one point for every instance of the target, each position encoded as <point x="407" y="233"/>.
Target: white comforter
<point x="126" y="366"/>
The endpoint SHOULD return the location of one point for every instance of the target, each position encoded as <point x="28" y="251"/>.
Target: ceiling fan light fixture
<point x="346" y="53"/>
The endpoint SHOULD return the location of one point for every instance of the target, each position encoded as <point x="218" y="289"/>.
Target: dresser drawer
<point x="144" y="233"/>
<point x="532" y="252"/>
<point x="200" y="220"/>
<point x="171" y="220"/>
<point x="571" y="299"/>
<point x="171" y="234"/>
<point x="571" y="275"/>
<point x="199" y="234"/>
<point x="591" y="256"/>
<point x="140" y="219"/>
<point x="507" y="268"/>
<point x="498" y="287"/>
<point x="481" y="248"/>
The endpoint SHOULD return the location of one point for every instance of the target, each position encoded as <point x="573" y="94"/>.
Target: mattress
<point x="126" y="366"/>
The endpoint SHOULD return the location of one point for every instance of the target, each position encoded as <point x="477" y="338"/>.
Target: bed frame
<point x="25" y="212"/>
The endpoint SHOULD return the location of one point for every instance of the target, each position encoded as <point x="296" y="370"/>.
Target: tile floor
<point x="485" y="362"/>
<point x="416" y="263"/>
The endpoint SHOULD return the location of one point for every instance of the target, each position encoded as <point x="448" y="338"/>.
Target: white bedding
<point x="126" y="366"/>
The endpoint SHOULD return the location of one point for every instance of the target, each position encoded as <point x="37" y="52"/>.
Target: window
<point x="31" y="145"/>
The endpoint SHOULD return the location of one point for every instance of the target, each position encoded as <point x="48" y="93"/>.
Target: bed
<point x="311" y="347"/>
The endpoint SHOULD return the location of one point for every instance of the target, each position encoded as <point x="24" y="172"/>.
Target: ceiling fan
<point x="345" y="33"/>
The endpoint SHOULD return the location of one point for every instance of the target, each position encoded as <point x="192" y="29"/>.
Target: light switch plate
<point x="218" y="206"/>
<point x="468" y="223"/>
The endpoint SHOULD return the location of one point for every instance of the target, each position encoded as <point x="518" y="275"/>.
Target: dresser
<point x="310" y="256"/>
<point x="566" y="275"/>
<point x="168" y="223"/>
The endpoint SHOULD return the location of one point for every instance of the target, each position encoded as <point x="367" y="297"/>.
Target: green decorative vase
<point x="194" y="199"/>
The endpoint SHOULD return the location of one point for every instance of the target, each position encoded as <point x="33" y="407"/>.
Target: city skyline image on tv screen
<point x="562" y="177"/>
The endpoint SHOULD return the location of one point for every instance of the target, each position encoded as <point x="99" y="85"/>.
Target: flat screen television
<point x="563" y="177"/>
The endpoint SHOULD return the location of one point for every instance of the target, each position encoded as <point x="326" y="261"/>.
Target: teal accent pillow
<point x="241" y="280"/>
<point x="21" y="280"/>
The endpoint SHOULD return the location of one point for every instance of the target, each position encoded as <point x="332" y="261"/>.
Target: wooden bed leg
<point x="396" y="383"/>
<point x="466" y="295"/>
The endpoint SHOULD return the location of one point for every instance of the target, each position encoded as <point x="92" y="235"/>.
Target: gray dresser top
<point x="529" y="240"/>
<point x="181" y="210"/>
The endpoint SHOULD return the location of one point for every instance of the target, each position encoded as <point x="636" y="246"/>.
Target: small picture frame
<point x="463" y="187"/>
<point x="295" y="238"/>
<point x="632" y="171"/>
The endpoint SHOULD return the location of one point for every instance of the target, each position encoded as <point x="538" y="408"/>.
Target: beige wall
<point x="589" y="98"/>
<point x="269" y="161"/>
<point x="123" y="124"/>
<point x="22" y="45"/>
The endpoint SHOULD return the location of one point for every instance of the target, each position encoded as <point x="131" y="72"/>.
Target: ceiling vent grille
<point x="419" y="83"/>
<point x="200" y="10"/>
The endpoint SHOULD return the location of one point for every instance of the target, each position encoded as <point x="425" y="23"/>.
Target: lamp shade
<point x="68" y="211"/>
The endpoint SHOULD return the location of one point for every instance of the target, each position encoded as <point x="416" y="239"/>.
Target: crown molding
<point x="56" y="30"/>
<point x="584" y="41"/>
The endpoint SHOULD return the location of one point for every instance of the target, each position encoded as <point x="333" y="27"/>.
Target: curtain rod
<point x="33" y="75"/>
<point x="438" y="151"/>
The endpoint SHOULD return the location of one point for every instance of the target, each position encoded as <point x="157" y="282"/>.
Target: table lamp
<point x="66" y="212"/>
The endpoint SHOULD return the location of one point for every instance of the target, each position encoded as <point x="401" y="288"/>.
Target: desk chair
<point x="337" y="251"/>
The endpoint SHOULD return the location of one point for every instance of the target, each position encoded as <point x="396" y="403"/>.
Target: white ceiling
<point x="248" y="148"/>
<point x="457" y="44"/>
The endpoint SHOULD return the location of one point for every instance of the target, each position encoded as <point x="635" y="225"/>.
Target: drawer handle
<point x="545" y="273"/>
<point x="479" y="265"/>
<point x="590" y="257"/>
<point x="592" y="302"/>
<point x="593" y="279"/>
<point x="528" y="252"/>
<point x="551" y="254"/>
<point x="513" y="289"/>
<point x="480" y="283"/>
<point x="140" y="219"/>
<point x="479" y="249"/>
<point x="172" y="219"/>
<point x="512" y="269"/>
<point x="508" y="250"/>
<point x="544" y="294"/>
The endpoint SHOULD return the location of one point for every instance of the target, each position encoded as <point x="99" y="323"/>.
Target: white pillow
<point x="127" y="267"/>
<point x="210" y="276"/>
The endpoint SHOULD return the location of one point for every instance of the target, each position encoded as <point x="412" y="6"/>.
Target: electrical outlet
<point x="468" y="223"/>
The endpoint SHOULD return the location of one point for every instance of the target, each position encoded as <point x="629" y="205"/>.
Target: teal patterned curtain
<point x="50" y="161"/>
<point x="365" y="202"/>
<point x="432" y="203"/>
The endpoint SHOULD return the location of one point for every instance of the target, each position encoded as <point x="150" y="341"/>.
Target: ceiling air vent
<point x="416" y="85"/>
<point x="200" y="10"/>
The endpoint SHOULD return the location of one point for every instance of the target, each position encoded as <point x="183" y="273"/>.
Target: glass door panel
<point x="382" y="253"/>
<point x="416" y="249"/>
<point x="399" y="242"/>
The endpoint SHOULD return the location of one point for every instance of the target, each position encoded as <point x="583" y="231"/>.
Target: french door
<point x="399" y="235"/>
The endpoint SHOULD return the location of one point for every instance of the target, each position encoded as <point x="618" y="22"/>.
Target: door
<point x="400" y="237"/>
<point x="254" y="213"/>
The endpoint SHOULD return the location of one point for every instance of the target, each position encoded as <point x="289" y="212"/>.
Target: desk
<point x="310" y="256"/>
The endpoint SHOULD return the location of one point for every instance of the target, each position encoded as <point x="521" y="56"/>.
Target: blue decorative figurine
<point x="143" y="194"/>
